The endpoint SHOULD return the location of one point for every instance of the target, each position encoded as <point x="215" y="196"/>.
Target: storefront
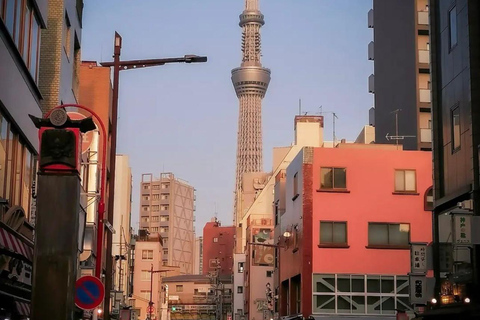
<point x="16" y="256"/>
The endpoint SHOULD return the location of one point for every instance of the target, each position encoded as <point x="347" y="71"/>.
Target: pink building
<point x="148" y="253"/>
<point x="346" y="216"/>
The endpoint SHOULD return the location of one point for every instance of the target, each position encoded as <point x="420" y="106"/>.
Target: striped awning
<point x="13" y="242"/>
<point x="23" y="308"/>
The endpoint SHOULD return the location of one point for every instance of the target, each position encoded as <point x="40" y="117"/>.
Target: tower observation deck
<point x="251" y="83"/>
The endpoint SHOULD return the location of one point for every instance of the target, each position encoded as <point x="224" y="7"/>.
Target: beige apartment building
<point x="167" y="206"/>
<point x="122" y="236"/>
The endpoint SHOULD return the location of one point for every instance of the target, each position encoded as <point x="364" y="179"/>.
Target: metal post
<point x="56" y="246"/>
<point x="150" y="304"/>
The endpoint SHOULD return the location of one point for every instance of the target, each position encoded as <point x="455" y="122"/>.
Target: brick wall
<point x="51" y="56"/>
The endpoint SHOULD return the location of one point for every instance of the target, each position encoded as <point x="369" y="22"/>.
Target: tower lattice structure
<point x="251" y="82"/>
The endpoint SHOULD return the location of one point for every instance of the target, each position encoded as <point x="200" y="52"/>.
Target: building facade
<point x="95" y="90"/>
<point x="198" y="256"/>
<point x="257" y="197"/>
<point x="455" y="56"/>
<point x="22" y="26"/>
<point x="59" y="80"/>
<point x="218" y="246"/>
<point x="167" y="206"/>
<point x="401" y="79"/>
<point x="147" y="286"/>
<point x="350" y="215"/>
<point x="121" y="224"/>
<point x="198" y="297"/>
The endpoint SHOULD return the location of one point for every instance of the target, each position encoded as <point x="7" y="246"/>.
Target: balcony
<point x="371" y="83"/>
<point x="425" y="96"/>
<point x="371" y="52"/>
<point x="370" y="18"/>
<point x="425" y="135"/>
<point x="423" y="17"/>
<point x="424" y="56"/>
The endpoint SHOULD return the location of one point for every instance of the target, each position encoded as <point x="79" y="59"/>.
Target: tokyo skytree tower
<point x="251" y="82"/>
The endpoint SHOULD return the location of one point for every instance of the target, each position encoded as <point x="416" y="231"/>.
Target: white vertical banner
<point x="463" y="229"/>
<point x="418" y="258"/>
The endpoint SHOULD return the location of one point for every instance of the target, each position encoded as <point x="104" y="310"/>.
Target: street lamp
<point x="119" y="65"/>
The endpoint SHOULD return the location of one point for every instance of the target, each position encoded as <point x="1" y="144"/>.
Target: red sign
<point x="89" y="292"/>
<point x="150" y="309"/>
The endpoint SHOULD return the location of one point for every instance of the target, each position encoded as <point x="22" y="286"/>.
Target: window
<point x="66" y="36"/>
<point x="333" y="178"/>
<point x="164" y="218"/>
<point x="165" y="252"/>
<point x="295" y="186"/>
<point x="164" y="208"/>
<point x="333" y="233"/>
<point x="147" y="254"/>
<point x="360" y="294"/>
<point x="145" y="276"/>
<point x="456" y="129"/>
<point x="21" y="22"/>
<point x="241" y="267"/>
<point x="156" y="196"/>
<point x="156" y="187"/>
<point x="452" y="18"/>
<point x="155" y="219"/>
<point x="155" y="208"/>
<point x="428" y="205"/>
<point x="179" y="288"/>
<point x="269" y="273"/>
<point x="405" y="181"/>
<point x="239" y="289"/>
<point x="145" y="219"/>
<point x="389" y="234"/>
<point x="146" y="198"/>
<point x="17" y="168"/>
<point x="146" y="186"/>
<point x="164" y="263"/>
<point x="164" y="196"/>
<point x="145" y="294"/>
<point x="215" y="240"/>
<point x="154" y="229"/>
<point x="145" y="208"/>
<point x="165" y="185"/>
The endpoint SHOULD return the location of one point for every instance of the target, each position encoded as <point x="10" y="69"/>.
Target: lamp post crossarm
<point x="137" y="64"/>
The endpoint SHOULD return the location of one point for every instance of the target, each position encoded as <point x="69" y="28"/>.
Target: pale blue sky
<point x="183" y="118"/>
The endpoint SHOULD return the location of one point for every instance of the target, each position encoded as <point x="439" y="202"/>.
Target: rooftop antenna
<point x="299" y="106"/>
<point x="396" y="124"/>
<point x="334" y="136"/>
<point x="216" y="213"/>
<point x="334" y="117"/>
<point x="321" y="110"/>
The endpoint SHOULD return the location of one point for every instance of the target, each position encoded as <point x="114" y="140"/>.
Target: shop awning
<point x="23" y="308"/>
<point x="10" y="241"/>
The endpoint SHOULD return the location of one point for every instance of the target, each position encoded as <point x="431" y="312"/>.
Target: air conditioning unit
<point x="467" y="204"/>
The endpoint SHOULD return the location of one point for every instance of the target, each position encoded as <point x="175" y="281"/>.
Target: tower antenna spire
<point x="250" y="81"/>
